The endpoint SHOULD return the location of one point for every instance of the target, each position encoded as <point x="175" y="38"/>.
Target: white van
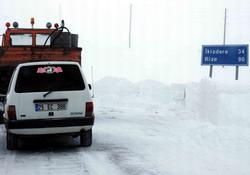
<point x="48" y="98"/>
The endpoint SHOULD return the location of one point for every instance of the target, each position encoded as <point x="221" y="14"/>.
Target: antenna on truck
<point x="60" y="12"/>
<point x="92" y="79"/>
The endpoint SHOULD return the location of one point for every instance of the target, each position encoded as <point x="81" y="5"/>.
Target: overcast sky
<point x="167" y="35"/>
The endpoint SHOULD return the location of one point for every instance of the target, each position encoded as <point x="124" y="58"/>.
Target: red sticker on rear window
<point x="49" y="70"/>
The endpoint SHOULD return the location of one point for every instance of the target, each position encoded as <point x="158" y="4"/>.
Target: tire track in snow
<point x="120" y="159"/>
<point x="114" y="138"/>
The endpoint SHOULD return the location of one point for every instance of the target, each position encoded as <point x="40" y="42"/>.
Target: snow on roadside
<point x="183" y="129"/>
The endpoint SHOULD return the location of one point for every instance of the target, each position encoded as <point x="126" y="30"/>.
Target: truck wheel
<point x="86" y="138"/>
<point x="11" y="140"/>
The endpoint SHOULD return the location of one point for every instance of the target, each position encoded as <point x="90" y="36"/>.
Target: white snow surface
<point x="149" y="128"/>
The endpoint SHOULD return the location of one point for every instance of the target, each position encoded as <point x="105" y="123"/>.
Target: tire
<point x="1" y="120"/>
<point x="11" y="140"/>
<point x="1" y="117"/>
<point x="86" y="138"/>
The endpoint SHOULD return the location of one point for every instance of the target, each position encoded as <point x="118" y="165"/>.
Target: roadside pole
<point x="224" y="41"/>
<point x="130" y="26"/>
<point x="92" y="79"/>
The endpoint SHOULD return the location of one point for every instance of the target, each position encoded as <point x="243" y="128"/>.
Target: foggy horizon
<point x="166" y="36"/>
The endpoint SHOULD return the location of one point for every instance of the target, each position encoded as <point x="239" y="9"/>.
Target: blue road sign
<point x="228" y="55"/>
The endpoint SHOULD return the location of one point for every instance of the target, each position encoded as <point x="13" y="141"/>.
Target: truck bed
<point x="12" y="56"/>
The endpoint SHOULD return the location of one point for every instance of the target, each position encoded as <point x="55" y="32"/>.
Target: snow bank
<point x="207" y="100"/>
<point x="121" y="91"/>
<point x="221" y="104"/>
<point x="195" y="128"/>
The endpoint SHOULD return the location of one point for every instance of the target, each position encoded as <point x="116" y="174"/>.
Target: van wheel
<point x="86" y="138"/>
<point x="11" y="140"/>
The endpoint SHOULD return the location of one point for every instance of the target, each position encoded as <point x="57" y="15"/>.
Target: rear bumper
<point x="49" y="123"/>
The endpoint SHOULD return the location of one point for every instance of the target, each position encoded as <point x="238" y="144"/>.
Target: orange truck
<point x="20" y="45"/>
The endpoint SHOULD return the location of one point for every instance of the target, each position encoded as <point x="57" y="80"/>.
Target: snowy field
<point x="148" y="128"/>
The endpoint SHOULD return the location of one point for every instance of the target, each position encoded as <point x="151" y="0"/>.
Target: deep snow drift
<point x="148" y="128"/>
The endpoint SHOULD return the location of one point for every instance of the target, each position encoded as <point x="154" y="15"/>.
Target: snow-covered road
<point x="140" y="131"/>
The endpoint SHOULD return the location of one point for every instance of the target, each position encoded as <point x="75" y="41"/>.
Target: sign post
<point x="225" y="55"/>
<point x="237" y="73"/>
<point x="211" y="71"/>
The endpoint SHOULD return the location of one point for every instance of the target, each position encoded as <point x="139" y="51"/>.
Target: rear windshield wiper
<point x="47" y="93"/>
<point x="59" y="88"/>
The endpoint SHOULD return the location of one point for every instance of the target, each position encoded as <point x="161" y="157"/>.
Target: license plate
<point x="50" y="106"/>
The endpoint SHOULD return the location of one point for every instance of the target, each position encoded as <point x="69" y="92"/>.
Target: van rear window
<point x="42" y="78"/>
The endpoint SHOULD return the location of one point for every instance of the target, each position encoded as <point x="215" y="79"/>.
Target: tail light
<point x="89" y="109"/>
<point x="11" y="111"/>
